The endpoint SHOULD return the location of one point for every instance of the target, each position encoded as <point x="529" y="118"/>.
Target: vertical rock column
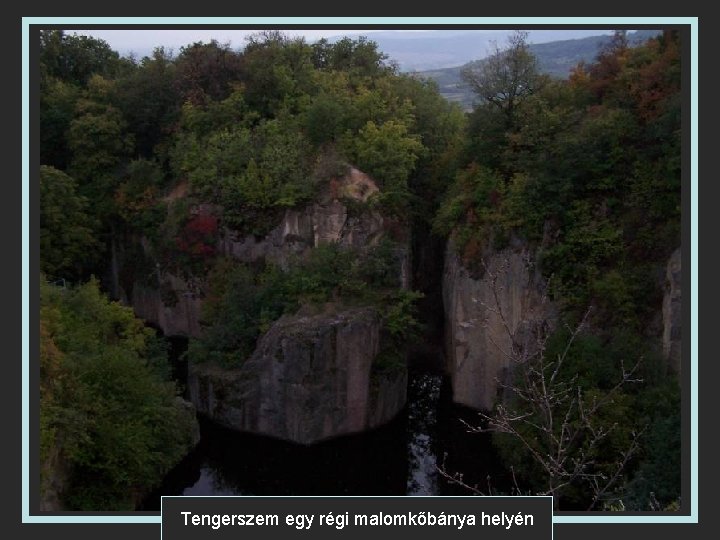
<point x="478" y="339"/>
<point x="672" y="312"/>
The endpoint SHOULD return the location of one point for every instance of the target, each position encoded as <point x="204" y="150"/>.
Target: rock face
<point x="305" y="229"/>
<point x="672" y="312"/>
<point x="54" y="477"/>
<point x="179" y="316"/>
<point x="478" y="338"/>
<point x="310" y="378"/>
<point x="326" y="221"/>
<point x="176" y="306"/>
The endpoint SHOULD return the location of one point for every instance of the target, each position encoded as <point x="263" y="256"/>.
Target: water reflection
<point x="398" y="459"/>
<point x="423" y="396"/>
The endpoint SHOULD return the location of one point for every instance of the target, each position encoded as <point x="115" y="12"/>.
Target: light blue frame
<point x="329" y="22"/>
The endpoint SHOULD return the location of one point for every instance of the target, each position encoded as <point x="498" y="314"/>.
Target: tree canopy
<point x="508" y="76"/>
<point x="587" y="172"/>
<point x="108" y="416"/>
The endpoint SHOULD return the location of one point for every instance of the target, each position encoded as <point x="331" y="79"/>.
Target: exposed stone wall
<point x="478" y="338"/>
<point x="672" y="312"/>
<point x="309" y="379"/>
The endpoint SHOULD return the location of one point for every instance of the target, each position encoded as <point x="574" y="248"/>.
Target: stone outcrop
<point x="310" y="378"/>
<point x="478" y="337"/>
<point x="672" y="312"/>
<point x="176" y="305"/>
<point x="304" y="229"/>
<point x="177" y="314"/>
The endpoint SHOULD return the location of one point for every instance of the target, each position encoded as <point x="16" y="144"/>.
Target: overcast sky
<point x="142" y="42"/>
<point x="125" y="41"/>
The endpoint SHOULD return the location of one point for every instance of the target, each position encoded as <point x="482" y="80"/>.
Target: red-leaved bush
<point x="198" y="236"/>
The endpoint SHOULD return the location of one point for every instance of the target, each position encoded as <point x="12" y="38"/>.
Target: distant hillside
<point x="436" y="49"/>
<point x="556" y="58"/>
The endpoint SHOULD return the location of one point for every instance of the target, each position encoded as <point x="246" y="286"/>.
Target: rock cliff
<point x="179" y="317"/>
<point x="672" y="312"/>
<point x="310" y="378"/>
<point x="305" y="229"/>
<point x="483" y="314"/>
<point x="329" y="220"/>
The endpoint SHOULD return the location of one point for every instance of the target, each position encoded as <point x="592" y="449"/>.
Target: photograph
<point x="361" y="261"/>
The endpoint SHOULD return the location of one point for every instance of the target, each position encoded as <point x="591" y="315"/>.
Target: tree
<point x="388" y="153"/>
<point x="67" y="243"/>
<point x="569" y="427"/>
<point x="359" y="57"/>
<point x="150" y="100"/>
<point x="67" y="62"/>
<point x="108" y="415"/>
<point x="57" y="109"/>
<point x="277" y="73"/>
<point x="507" y="77"/>
<point x="99" y="143"/>
<point x="324" y="118"/>
<point x="137" y="196"/>
<point x="206" y="71"/>
<point x="74" y="59"/>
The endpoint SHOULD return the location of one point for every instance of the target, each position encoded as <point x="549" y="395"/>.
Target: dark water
<point x="400" y="458"/>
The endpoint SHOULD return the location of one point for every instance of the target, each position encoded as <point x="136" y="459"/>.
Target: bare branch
<point x="456" y="478"/>
<point x="550" y="415"/>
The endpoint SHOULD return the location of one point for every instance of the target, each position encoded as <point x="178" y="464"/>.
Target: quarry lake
<point x="399" y="458"/>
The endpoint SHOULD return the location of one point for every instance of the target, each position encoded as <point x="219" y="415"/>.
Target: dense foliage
<point x="149" y="164"/>
<point x="66" y="228"/>
<point x="243" y="301"/>
<point x="588" y="171"/>
<point x="109" y="417"/>
<point x="246" y="128"/>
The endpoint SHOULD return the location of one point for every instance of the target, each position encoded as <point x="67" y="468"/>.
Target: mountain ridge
<point x="555" y="58"/>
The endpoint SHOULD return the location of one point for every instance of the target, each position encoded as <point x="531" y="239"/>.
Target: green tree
<point x="251" y="172"/>
<point x="99" y="143"/>
<point x="359" y="57"/>
<point x="67" y="242"/>
<point x="149" y="97"/>
<point x="106" y="414"/>
<point x="473" y="212"/>
<point x="74" y="59"/>
<point x="325" y="119"/>
<point x="507" y="76"/>
<point x="206" y="71"/>
<point x="278" y="73"/>
<point x="137" y="197"/>
<point x="58" y="100"/>
<point x="388" y="153"/>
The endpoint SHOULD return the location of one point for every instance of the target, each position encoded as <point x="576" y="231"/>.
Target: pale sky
<point x="142" y="42"/>
<point x="129" y="40"/>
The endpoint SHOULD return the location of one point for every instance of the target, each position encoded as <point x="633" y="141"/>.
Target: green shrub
<point x="104" y="404"/>
<point x="243" y="301"/>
